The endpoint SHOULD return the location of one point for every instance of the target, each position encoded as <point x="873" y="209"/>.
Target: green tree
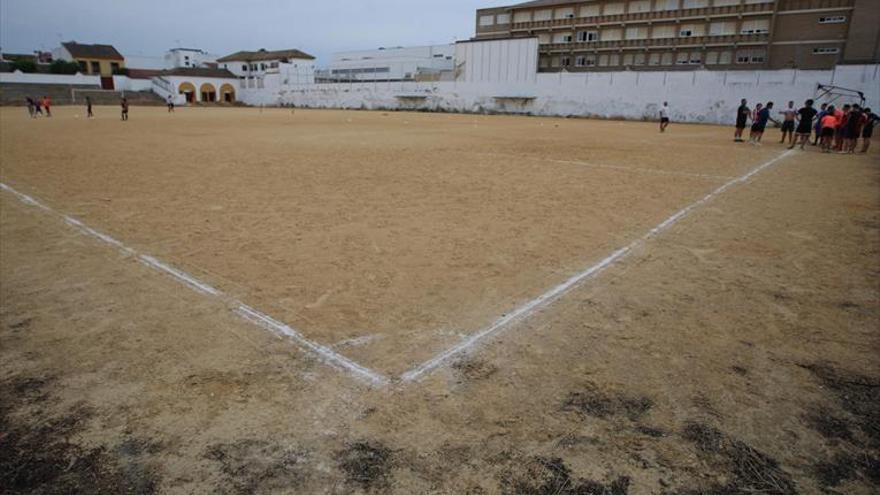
<point x="63" y="67"/>
<point x="24" y="66"/>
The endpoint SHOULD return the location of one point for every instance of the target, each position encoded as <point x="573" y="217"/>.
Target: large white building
<point x="176" y="58"/>
<point x="391" y="64"/>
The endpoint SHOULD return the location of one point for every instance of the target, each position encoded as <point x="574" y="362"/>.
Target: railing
<point x="655" y="15"/>
<point x="813" y="4"/>
<point x="728" y="39"/>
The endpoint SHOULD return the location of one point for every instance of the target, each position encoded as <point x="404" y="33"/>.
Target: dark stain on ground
<point x="21" y="325"/>
<point x="828" y="425"/>
<point x="747" y="470"/>
<point x="551" y="476"/>
<point x="739" y="370"/>
<point x="857" y="394"/>
<point x="651" y="432"/>
<point x="598" y="404"/>
<point x="257" y="466"/>
<point x="366" y="464"/>
<point x="473" y="369"/>
<point x="835" y="471"/>
<point x="38" y="456"/>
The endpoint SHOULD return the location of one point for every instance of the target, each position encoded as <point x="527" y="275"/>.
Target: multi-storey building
<point x="663" y="34"/>
<point x="390" y="64"/>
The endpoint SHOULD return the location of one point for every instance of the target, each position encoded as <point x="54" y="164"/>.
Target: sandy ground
<point x="736" y="353"/>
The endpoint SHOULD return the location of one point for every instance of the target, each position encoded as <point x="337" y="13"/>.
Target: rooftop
<point x="103" y="52"/>
<point x="263" y="54"/>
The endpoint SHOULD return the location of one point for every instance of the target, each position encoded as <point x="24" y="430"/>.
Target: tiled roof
<point x="103" y="52"/>
<point x="143" y="73"/>
<point x="199" y="72"/>
<point x="260" y="55"/>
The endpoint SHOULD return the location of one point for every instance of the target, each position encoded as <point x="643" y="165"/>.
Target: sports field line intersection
<point x="419" y="372"/>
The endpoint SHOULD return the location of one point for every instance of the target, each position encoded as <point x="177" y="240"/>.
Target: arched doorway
<point x="227" y="93"/>
<point x="209" y="93"/>
<point x="188" y="90"/>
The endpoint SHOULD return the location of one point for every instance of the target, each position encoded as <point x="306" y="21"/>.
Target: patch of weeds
<point x="366" y="464"/>
<point x="255" y="466"/>
<point x="598" y="404"/>
<point x="857" y="394"/>
<point x="551" y="476"/>
<point x="739" y="370"/>
<point x="751" y="471"/>
<point x="651" y="432"/>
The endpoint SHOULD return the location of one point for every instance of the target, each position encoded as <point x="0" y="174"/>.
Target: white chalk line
<point x="614" y="167"/>
<point x="249" y="314"/>
<point x="548" y="297"/>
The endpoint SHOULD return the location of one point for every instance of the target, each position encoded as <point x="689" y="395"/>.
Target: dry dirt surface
<point x="735" y="351"/>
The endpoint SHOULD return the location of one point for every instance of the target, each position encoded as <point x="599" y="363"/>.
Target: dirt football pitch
<point x="236" y="300"/>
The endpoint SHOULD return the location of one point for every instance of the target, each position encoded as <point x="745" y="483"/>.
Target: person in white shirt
<point x="664" y="117"/>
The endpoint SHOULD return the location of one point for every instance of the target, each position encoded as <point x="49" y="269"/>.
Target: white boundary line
<point x="324" y="354"/>
<point x="555" y="293"/>
<point x="338" y="361"/>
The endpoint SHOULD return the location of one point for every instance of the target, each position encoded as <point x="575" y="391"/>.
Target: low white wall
<point x="125" y="83"/>
<point x="694" y="96"/>
<point x="19" y="77"/>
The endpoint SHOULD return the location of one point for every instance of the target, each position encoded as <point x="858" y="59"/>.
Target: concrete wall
<point x="18" y="77"/>
<point x="507" y="61"/>
<point x="694" y="96"/>
<point x="125" y="83"/>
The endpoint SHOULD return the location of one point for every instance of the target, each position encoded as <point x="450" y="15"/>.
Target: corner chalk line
<point x="346" y="365"/>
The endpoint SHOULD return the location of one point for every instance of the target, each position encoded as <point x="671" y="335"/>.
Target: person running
<point x="38" y="108"/>
<point x="48" y="104"/>
<point x="805" y="124"/>
<point x="124" y="105"/>
<point x="823" y="110"/>
<point x="760" y="124"/>
<point x="664" y="117"/>
<point x="829" y="128"/>
<point x="742" y="118"/>
<point x="89" y="113"/>
<point x="871" y="119"/>
<point x="30" y="104"/>
<point x="170" y="104"/>
<point x="788" y="121"/>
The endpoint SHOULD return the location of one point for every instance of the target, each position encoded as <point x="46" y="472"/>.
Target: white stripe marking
<point x="548" y="297"/>
<point x="249" y="314"/>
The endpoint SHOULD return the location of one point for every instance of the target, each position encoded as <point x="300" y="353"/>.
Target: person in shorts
<point x="664" y="117"/>
<point x="829" y="128"/>
<point x="871" y="120"/>
<point x="842" y="117"/>
<point x="853" y="129"/>
<point x="805" y="117"/>
<point x="742" y="118"/>
<point x="47" y="103"/>
<point x="788" y="120"/>
<point x="823" y="110"/>
<point x="170" y="104"/>
<point x="124" y="105"/>
<point x="760" y="124"/>
<point x="89" y="113"/>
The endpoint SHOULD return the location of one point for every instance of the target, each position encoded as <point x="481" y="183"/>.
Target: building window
<point x="685" y="33"/>
<point x="96" y="67"/>
<point x="636" y="33"/>
<point x="695" y="4"/>
<point x="724" y="3"/>
<point x="682" y="58"/>
<point x="543" y="15"/>
<point x="696" y="58"/>
<point x="244" y="68"/>
<point x="502" y="19"/>
<point x="83" y="67"/>
<point x="664" y="31"/>
<point x="760" y="26"/>
<point x="487" y="20"/>
<point x="564" y="13"/>
<point x="590" y="10"/>
<point x="114" y="67"/>
<point x="639" y="59"/>
<point x="722" y="28"/>
<point x="825" y="51"/>
<point x="613" y="9"/>
<point x="566" y="61"/>
<point x="587" y="36"/>
<point x="522" y="16"/>
<point x="666" y="5"/>
<point x="585" y="61"/>
<point x="639" y="6"/>
<point x="832" y="19"/>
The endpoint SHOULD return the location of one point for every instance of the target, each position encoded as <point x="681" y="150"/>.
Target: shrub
<point x="24" y="65"/>
<point x="120" y="71"/>
<point x="63" y="67"/>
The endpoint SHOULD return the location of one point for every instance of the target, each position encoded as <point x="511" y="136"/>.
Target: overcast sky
<point x="319" y="27"/>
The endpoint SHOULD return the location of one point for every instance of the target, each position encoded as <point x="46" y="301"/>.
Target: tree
<point x="24" y="66"/>
<point x="63" y="67"/>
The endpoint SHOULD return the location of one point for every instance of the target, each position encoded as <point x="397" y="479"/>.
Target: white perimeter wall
<point x="22" y="78"/>
<point x="694" y="96"/>
<point x="498" y="61"/>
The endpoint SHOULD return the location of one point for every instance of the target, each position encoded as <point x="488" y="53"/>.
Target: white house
<point x="196" y="85"/>
<point x="188" y="57"/>
<point x="390" y="64"/>
<point x="291" y="66"/>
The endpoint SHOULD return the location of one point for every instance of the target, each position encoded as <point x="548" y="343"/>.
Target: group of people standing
<point x="836" y="129"/>
<point x="36" y="106"/>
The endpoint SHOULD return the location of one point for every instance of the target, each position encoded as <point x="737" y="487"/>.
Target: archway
<point x="209" y="93"/>
<point x="227" y="93"/>
<point x="188" y="90"/>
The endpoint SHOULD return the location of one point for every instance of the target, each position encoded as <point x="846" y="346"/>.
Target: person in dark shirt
<point x="742" y="117"/>
<point x="805" y="118"/>
<point x="871" y="119"/>
<point x="822" y="111"/>
<point x="30" y="105"/>
<point x="89" y="113"/>
<point x="853" y="129"/>
<point x="124" y="105"/>
<point x="761" y="124"/>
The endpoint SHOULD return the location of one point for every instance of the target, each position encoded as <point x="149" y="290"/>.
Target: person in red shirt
<point x="47" y="103"/>
<point x="829" y="128"/>
<point x="842" y="120"/>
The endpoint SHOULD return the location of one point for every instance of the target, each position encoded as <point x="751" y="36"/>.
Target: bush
<point x="63" y="67"/>
<point x="24" y="66"/>
<point x="120" y="71"/>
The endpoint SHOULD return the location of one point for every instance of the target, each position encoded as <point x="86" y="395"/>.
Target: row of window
<point x="364" y="70"/>
<point x="754" y="56"/>
<point x="760" y="26"/>
<point x="614" y="8"/>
